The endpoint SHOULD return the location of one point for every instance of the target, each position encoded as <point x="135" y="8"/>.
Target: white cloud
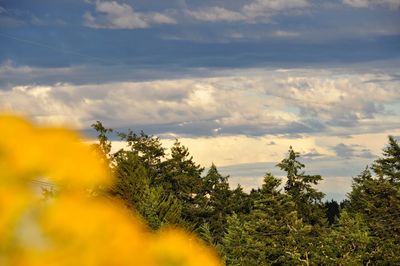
<point x="270" y="7"/>
<point x="393" y="4"/>
<point x="114" y="15"/>
<point x="214" y="14"/>
<point x="256" y="9"/>
<point x="252" y="102"/>
<point x="286" y="34"/>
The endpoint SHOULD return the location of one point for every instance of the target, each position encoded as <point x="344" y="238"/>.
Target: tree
<point x="133" y="187"/>
<point x="332" y="211"/>
<point x="216" y="196"/>
<point x="346" y="243"/>
<point x="275" y="228"/>
<point x="104" y="142"/>
<point x="236" y="241"/>
<point x="300" y="187"/>
<point x="388" y="166"/>
<point x="182" y="177"/>
<point x="149" y="150"/>
<point x="377" y="199"/>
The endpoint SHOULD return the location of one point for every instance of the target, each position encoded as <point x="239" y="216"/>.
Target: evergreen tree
<point x="236" y="248"/>
<point x="332" y="211"/>
<point x="300" y="187"/>
<point x="346" y="243"/>
<point x="388" y="166"/>
<point x="241" y="202"/>
<point x="217" y="196"/>
<point x="275" y="229"/>
<point x="377" y="198"/>
<point x="149" y="151"/>
<point x="182" y="178"/>
<point x="133" y="187"/>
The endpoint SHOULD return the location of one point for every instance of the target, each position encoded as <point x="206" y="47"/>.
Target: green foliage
<point x="388" y="167"/>
<point x="149" y="150"/>
<point x="267" y="226"/>
<point x="236" y="243"/>
<point x="346" y="243"/>
<point x="217" y="202"/>
<point x="133" y="187"/>
<point x="332" y="211"/>
<point x="377" y="199"/>
<point x="104" y="142"/>
<point x="301" y="187"/>
<point x="275" y="227"/>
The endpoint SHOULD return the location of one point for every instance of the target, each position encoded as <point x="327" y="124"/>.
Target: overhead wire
<point x="54" y="48"/>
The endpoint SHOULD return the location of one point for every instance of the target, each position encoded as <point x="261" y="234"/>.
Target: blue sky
<point x="237" y="81"/>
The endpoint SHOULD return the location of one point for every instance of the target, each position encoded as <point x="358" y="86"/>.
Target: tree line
<point x="271" y="225"/>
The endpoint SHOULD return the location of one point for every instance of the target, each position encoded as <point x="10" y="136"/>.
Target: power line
<point x="43" y="45"/>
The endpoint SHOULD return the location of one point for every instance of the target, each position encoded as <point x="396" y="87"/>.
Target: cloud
<point x="270" y="7"/>
<point x="214" y="14"/>
<point x="286" y="34"/>
<point x="350" y="151"/>
<point x="248" y="12"/>
<point x="294" y="103"/>
<point x="8" y="18"/>
<point x="114" y="15"/>
<point x="392" y="4"/>
<point x="312" y="154"/>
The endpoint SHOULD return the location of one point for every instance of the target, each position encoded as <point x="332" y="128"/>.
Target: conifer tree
<point x="346" y="243"/>
<point x="299" y="186"/>
<point x="133" y="187"/>
<point x="217" y="196"/>
<point x="275" y="229"/>
<point x="149" y="151"/>
<point x="236" y="244"/>
<point x="377" y="198"/>
<point x="182" y="178"/>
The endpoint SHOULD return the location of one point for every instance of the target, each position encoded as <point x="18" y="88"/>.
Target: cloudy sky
<point x="237" y="81"/>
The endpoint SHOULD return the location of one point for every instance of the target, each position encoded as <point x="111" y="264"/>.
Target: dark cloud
<point x="343" y="150"/>
<point x="350" y="151"/>
<point x="313" y="154"/>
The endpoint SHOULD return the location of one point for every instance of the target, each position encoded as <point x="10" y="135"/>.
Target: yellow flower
<point x="173" y="247"/>
<point x="73" y="228"/>
<point x="28" y="152"/>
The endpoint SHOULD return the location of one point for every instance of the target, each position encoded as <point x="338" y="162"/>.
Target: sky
<point x="238" y="82"/>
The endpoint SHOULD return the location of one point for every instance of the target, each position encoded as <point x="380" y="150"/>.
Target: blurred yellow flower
<point x="73" y="228"/>
<point x="174" y="247"/>
<point x="28" y="152"/>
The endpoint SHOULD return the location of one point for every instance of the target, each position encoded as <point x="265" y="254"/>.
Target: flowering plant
<point x="74" y="227"/>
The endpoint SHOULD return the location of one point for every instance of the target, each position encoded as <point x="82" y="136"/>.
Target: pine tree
<point x="182" y="178"/>
<point x="149" y="151"/>
<point x="236" y="247"/>
<point x="275" y="229"/>
<point x="388" y="166"/>
<point x="332" y="211"/>
<point x="346" y="243"/>
<point x="377" y="198"/>
<point x="300" y="187"/>
<point x="216" y="196"/>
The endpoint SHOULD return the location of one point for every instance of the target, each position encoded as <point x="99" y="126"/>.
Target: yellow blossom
<point x="57" y="154"/>
<point x="173" y="247"/>
<point x="73" y="228"/>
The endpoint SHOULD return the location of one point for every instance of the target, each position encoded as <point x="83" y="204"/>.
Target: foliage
<point x="300" y="186"/>
<point x="377" y="199"/>
<point x="269" y="225"/>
